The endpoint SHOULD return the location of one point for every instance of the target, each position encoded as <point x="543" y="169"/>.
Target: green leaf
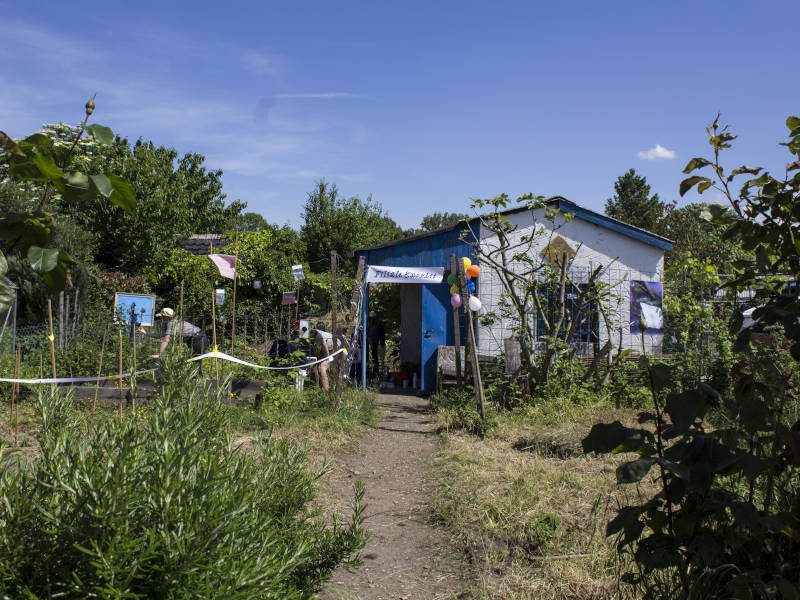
<point x="690" y="182"/>
<point x="101" y="133"/>
<point x="47" y="166"/>
<point x="704" y="186"/>
<point x="56" y="279"/>
<point x="39" y="140"/>
<point x="6" y="296"/>
<point x="9" y="145"/>
<point x="43" y="260"/>
<point x="123" y="195"/>
<point x="3" y="265"/>
<point x="77" y="179"/>
<point x="793" y="123"/>
<point x="695" y="163"/>
<point x="634" y="471"/>
<point x="103" y="184"/>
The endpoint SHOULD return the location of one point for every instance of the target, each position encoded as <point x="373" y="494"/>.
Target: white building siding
<point x="595" y="246"/>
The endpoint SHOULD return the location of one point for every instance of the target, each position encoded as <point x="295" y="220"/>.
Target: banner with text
<point x="404" y="274"/>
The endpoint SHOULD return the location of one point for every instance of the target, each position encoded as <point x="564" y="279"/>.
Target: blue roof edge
<point x="566" y="206"/>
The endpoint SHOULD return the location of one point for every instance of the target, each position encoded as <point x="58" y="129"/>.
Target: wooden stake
<point x="99" y="368"/>
<point x="75" y="311"/>
<point x="16" y="409"/>
<point x="132" y="385"/>
<point x="51" y="337"/>
<point x="65" y="338"/>
<point x="457" y="330"/>
<point x="214" y="316"/>
<point x="120" y="374"/>
<point x="61" y="320"/>
<point x="14" y="387"/>
<point x="337" y="364"/>
<point x="180" y="319"/>
<point x="235" y="272"/>
<point x="476" y="371"/>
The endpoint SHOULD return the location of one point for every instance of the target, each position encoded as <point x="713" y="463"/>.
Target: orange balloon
<point x="474" y="271"/>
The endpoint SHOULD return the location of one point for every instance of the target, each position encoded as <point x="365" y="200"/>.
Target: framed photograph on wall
<point x="142" y="304"/>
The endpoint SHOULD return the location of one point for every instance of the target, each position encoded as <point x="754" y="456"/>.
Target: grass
<point x="527" y="506"/>
<point x="312" y="416"/>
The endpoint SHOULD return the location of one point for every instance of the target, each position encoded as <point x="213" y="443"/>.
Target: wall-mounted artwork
<point x="646" y="297"/>
<point x="143" y="305"/>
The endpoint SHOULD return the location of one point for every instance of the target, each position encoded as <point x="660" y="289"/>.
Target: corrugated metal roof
<point x="428" y="250"/>
<point x="564" y="205"/>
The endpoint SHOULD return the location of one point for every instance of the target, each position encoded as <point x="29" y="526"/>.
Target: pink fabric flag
<point x="225" y="263"/>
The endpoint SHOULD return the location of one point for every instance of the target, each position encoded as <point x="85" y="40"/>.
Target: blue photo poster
<point x="143" y="305"/>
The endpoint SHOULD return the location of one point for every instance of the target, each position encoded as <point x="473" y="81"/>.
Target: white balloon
<point x="474" y="304"/>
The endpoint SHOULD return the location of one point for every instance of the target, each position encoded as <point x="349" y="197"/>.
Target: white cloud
<point x="263" y="64"/>
<point x="656" y="152"/>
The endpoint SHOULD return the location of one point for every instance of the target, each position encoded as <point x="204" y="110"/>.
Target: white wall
<point x="595" y="246"/>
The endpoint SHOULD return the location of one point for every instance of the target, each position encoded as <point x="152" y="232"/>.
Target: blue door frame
<point x="434" y="332"/>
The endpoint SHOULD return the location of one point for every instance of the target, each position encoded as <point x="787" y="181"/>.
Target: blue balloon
<point x="470" y="287"/>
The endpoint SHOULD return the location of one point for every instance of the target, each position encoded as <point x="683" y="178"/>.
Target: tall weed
<point x="165" y="507"/>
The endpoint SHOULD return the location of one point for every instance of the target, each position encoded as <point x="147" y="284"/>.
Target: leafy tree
<point x="172" y="202"/>
<point x="251" y="221"/>
<point x="438" y="220"/>
<point x="692" y="233"/>
<point x="632" y="202"/>
<point x="332" y="222"/>
<point x="175" y="196"/>
<point x="47" y="169"/>
<point x="724" y="520"/>
<point x="268" y="255"/>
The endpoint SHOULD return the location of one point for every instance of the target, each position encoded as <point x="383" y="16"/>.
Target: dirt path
<point x="406" y="557"/>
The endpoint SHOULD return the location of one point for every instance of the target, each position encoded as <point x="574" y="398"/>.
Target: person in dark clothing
<point x="376" y="340"/>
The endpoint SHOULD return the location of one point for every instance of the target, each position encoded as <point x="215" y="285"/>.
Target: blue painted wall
<point x="437" y="314"/>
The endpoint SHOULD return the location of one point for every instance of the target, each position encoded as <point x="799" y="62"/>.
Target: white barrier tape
<point x="228" y="357"/>
<point x="76" y="379"/>
<point x="213" y="354"/>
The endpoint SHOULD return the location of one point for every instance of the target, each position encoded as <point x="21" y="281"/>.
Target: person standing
<point x="324" y="346"/>
<point x="376" y="339"/>
<point x="189" y="334"/>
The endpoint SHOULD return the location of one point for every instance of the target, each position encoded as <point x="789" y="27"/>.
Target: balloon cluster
<point x="471" y="272"/>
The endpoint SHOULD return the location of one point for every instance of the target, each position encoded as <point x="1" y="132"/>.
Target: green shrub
<point x="165" y="507"/>
<point x="456" y="409"/>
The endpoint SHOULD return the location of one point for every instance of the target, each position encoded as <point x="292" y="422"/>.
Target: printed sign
<point x="220" y="296"/>
<point x="297" y="271"/>
<point x="289" y="298"/>
<point x="404" y="274"/>
<point x="140" y="305"/>
<point x="646" y="305"/>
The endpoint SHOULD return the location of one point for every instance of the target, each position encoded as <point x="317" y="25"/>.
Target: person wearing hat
<point x="192" y="335"/>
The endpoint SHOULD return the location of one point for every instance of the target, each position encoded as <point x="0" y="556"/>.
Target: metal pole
<point x="364" y="337"/>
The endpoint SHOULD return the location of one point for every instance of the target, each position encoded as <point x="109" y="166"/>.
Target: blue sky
<point x="424" y="105"/>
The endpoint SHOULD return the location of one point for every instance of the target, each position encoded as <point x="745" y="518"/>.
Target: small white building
<point x="634" y="261"/>
<point x="635" y="270"/>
